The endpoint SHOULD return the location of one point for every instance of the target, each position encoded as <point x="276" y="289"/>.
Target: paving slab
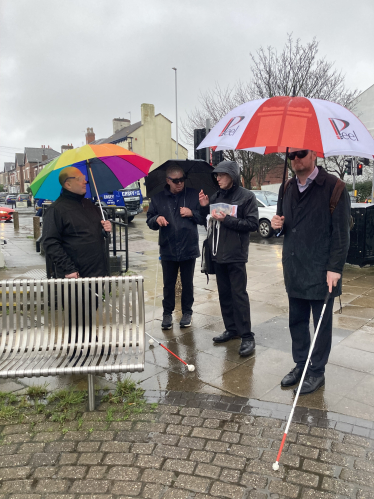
<point x="159" y="456"/>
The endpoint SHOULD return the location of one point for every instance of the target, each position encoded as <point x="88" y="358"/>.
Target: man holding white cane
<point x="316" y="241"/>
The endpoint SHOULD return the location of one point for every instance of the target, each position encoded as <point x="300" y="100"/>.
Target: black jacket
<point x="179" y="240"/>
<point x="314" y="240"/>
<point x="234" y="232"/>
<point x="73" y="237"/>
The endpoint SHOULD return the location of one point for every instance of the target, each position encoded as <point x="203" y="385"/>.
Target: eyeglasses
<point x="177" y="180"/>
<point x="219" y="175"/>
<point x="80" y="179"/>
<point x="299" y="154"/>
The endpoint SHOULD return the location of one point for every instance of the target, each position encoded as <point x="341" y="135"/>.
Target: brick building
<point x="34" y="158"/>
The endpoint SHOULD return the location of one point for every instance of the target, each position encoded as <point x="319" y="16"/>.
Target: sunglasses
<point x="177" y="180"/>
<point x="300" y="154"/>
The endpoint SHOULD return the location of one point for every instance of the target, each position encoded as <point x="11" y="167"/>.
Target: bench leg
<point x="91" y="393"/>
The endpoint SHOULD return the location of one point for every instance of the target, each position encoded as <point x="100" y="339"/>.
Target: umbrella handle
<point x="105" y="234"/>
<point x="281" y="192"/>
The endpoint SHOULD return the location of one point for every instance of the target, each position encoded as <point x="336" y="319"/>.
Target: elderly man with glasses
<point x="315" y="248"/>
<point x="175" y="213"/>
<point x="72" y="230"/>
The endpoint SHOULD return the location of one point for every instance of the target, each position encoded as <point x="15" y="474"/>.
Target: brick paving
<point x="193" y="446"/>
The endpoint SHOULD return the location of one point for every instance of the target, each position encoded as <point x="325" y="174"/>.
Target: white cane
<point x="276" y="464"/>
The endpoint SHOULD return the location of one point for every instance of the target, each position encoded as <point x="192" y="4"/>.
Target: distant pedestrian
<point x="175" y="213"/>
<point x="228" y="243"/>
<point x="315" y="248"/>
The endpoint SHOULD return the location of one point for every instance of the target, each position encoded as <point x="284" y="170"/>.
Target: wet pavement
<point x="349" y="388"/>
<point x="192" y="446"/>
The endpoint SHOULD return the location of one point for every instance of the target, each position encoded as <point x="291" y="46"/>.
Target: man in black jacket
<point x="175" y="212"/>
<point x="315" y="248"/>
<point x="73" y="238"/>
<point x="228" y="243"/>
<point x="72" y="230"/>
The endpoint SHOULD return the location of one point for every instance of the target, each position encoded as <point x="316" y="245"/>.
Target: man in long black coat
<point x="228" y="243"/>
<point x="175" y="213"/>
<point x="315" y="248"/>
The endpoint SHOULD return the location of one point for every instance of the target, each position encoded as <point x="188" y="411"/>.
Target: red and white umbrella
<point x="271" y="125"/>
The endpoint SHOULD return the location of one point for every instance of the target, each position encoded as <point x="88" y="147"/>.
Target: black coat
<point x="234" y="232"/>
<point x="314" y="240"/>
<point x="73" y="237"/>
<point x="179" y="240"/>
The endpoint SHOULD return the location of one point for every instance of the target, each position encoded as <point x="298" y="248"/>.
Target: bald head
<point x="73" y="180"/>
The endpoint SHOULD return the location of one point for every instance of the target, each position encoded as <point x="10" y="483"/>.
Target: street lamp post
<point x="176" y="110"/>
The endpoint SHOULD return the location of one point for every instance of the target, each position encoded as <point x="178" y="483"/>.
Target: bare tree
<point x="335" y="164"/>
<point x="295" y="71"/>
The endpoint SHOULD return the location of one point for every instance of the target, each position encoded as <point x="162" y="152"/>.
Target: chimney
<point x="148" y="112"/>
<point x="119" y="123"/>
<point x="66" y="148"/>
<point x="90" y="136"/>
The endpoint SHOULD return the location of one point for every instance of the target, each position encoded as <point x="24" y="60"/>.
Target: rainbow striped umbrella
<point x="111" y="168"/>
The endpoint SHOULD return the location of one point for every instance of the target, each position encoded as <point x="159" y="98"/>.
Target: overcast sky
<point x="71" y="64"/>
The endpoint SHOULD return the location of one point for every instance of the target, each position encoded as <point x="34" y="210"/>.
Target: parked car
<point x="11" y="199"/>
<point x="267" y="208"/>
<point x="24" y="197"/>
<point x="2" y="198"/>
<point x="6" y="214"/>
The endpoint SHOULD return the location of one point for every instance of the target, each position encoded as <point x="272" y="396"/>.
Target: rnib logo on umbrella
<point x="232" y="126"/>
<point x="340" y="125"/>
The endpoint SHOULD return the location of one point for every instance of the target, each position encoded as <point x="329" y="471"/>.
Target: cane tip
<point x="191" y="367"/>
<point x="276" y="466"/>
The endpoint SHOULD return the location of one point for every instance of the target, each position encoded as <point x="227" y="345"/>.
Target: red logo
<point x="340" y="125"/>
<point x="232" y="126"/>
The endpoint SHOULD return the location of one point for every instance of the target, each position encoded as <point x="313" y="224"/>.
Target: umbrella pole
<point x="97" y="194"/>
<point x="280" y="200"/>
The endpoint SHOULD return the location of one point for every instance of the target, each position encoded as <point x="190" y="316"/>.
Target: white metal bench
<point x="35" y="331"/>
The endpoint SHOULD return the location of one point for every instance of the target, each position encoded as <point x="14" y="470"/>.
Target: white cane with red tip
<point x="276" y="464"/>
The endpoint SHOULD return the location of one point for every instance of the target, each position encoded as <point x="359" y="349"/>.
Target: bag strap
<point x="286" y="185"/>
<point x="336" y="193"/>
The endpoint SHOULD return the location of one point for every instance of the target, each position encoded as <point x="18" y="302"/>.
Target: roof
<point x="368" y="90"/>
<point x="9" y="166"/>
<point x="19" y="158"/>
<point x="99" y="141"/>
<point x="121" y="135"/>
<point x="160" y="114"/>
<point x="34" y="154"/>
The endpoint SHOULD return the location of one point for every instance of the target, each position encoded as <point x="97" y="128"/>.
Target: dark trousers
<point x="299" y="316"/>
<point x="170" y="274"/>
<point x="233" y="298"/>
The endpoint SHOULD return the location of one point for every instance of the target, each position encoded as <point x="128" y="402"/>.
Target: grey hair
<point x="174" y="169"/>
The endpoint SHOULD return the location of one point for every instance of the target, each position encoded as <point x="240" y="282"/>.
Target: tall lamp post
<point x="176" y="110"/>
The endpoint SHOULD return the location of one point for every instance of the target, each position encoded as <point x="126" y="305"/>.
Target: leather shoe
<point x="247" y="347"/>
<point x="292" y="377"/>
<point x="311" y="384"/>
<point x="225" y="336"/>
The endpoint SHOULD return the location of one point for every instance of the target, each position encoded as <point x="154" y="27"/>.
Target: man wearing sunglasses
<point x="315" y="248"/>
<point x="175" y="213"/>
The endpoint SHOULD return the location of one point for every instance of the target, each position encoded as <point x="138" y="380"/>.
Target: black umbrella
<point x="198" y="176"/>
